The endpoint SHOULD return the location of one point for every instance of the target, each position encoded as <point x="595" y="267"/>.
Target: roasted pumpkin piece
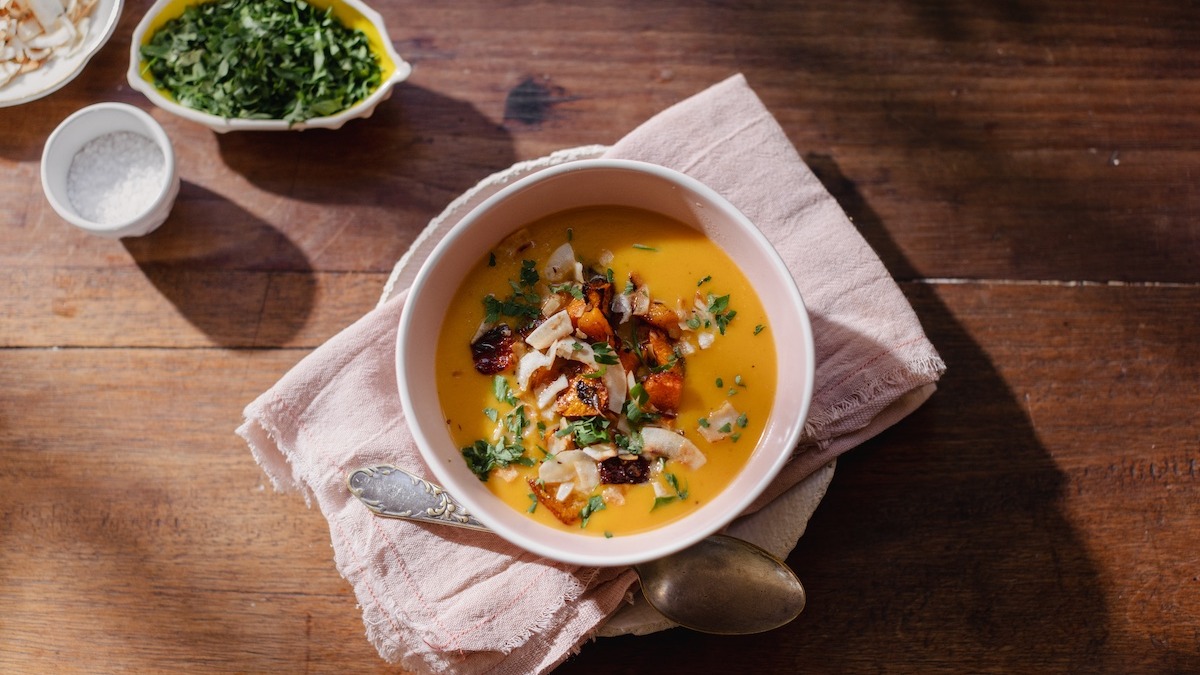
<point x="566" y="511"/>
<point x="585" y="397"/>
<point x="595" y="325"/>
<point x="664" y="390"/>
<point x="663" y="318"/>
<point x="492" y="352"/>
<point x="657" y="349"/>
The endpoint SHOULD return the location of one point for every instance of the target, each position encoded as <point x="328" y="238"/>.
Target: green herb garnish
<point x="595" y="503"/>
<point x="262" y="59"/>
<point x="482" y="457"/>
<point x="718" y="307"/>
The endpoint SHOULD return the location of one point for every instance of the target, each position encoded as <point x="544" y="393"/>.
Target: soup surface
<point x="606" y="370"/>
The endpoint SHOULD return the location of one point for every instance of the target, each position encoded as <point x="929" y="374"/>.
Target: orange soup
<point x="606" y="370"/>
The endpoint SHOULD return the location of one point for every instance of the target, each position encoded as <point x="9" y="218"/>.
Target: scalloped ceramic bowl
<point x="352" y="13"/>
<point x="591" y="183"/>
<point x="59" y="71"/>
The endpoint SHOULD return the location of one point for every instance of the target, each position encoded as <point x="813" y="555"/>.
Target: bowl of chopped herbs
<point x="264" y="65"/>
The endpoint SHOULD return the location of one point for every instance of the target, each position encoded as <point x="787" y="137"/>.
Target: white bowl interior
<point x="85" y="125"/>
<point x="597" y="182"/>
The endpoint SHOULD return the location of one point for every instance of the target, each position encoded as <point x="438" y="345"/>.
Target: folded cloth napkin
<point x="444" y="600"/>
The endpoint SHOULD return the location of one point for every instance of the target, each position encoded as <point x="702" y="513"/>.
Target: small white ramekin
<point x="85" y="125"/>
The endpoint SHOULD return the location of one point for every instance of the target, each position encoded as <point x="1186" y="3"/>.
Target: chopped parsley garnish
<point x="679" y="494"/>
<point x="703" y="421"/>
<point x="643" y="247"/>
<point x="631" y="443"/>
<point x="533" y="503"/>
<point x="718" y="307"/>
<point x="482" y="457"/>
<point x="604" y="354"/>
<point x="758" y="329"/>
<point x="502" y="391"/>
<point x="529" y="273"/>
<point x="629" y="288"/>
<point x="518" y="305"/>
<point x="573" y="289"/>
<point x="635" y="410"/>
<point x="742" y="420"/>
<point x="492" y="414"/>
<point x="587" y="431"/>
<point x="704" y="280"/>
<point x="720" y="383"/>
<point x="726" y="428"/>
<point x="262" y="59"/>
<point x="595" y="503"/>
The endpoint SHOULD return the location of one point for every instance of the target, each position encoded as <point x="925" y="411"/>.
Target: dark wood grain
<point x="1028" y="171"/>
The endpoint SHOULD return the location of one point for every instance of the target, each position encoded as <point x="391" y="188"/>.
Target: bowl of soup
<point x="605" y="362"/>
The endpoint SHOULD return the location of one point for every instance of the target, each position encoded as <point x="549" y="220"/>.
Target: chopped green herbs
<point x="718" y="307"/>
<point x="529" y="273"/>
<point x="482" y="457"/>
<point x="572" y="289"/>
<point x="492" y="414"/>
<point x="533" y="503"/>
<point x="679" y="494"/>
<point x="587" y="431"/>
<point x="742" y="420"/>
<point x="704" y="280"/>
<point x="502" y="391"/>
<point x="758" y="329"/>
<point x="595" y="503"/>
<point x="643" y="247"/>
<point x="604" y="354"/>
<point x="262" y="59"/>
<point x="635" y="406"/>
<point x="720" y="383"/>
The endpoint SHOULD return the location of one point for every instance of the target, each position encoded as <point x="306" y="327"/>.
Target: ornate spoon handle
<point x="393" y="492"/>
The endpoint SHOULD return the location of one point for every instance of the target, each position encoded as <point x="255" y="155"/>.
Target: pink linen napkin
<point x="441" y="600"/>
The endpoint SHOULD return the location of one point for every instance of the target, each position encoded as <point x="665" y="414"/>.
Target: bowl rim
<point x="364" y="108"/>
<point x="698" y="524"/>
<point x="135" y="223"/>
<point x="94" y="41"/>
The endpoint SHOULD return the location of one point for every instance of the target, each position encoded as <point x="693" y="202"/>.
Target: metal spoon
<point x="720" y="585"/>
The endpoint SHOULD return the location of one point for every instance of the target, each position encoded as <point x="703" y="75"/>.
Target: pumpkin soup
<point x="606" y="370"/>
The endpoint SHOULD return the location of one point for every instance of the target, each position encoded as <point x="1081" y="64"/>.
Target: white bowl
<point x="86" y="125"/>
<point x="58" y="71"/>
<point x="352" y="13"/>
<point x="587" y="183"/>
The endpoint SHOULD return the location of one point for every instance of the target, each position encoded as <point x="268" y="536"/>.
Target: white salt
<point x="115" y="177"/>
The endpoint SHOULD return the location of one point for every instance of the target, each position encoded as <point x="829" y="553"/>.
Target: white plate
<point x="58" y="71"/>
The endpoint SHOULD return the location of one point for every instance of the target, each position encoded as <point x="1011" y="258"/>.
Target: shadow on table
<point x="215" y="261"/>
<point x="940" y="542"/>
<point x="350" y="200"/>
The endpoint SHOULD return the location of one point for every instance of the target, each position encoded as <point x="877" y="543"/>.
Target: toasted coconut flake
<point x="722" y="423"/>
<point x="660" y="442"/>
<point x="560" y="263"/>
<point x="553" y="328"/>
<point x="547" y="394"/>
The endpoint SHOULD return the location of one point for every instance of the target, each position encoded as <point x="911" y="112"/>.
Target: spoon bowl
<point x="723" y="585"/>
<point x="720" y="585"/>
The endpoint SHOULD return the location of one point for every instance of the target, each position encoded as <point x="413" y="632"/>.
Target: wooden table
<point x="1028" y="172"/>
